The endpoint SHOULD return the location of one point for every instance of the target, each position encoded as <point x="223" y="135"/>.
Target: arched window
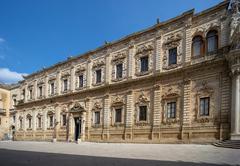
<point x="212" y="41"/>
<point x="197" y="46"/>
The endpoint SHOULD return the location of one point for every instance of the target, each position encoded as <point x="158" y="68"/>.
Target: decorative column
<point x="72" y="79"/>
<point x="106" y="112"/>
<point x="58" y="81"/>
<point x="108" y="68"/>
<point x="56" y="122"/>
<point x="46" y="87"/>
<point x="89" y="77"/>
<point x="128" y="135"/>
<point x="88" y="118"/>
<point x="234" y="63"/>
<point x="130" y="60"/>
<point x="185" y="120"/>
<point x="158" y="46"/>
<point x="156" y="112"/>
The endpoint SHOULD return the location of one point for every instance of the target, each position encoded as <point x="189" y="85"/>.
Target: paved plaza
<point x="27" y="153"/>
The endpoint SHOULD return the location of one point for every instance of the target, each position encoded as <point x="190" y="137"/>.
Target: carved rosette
<point x="170" y="42"/>
<point x="145" y="50"/>
<point x="119" y="58"/>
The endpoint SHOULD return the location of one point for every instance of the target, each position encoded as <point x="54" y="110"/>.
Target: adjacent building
<point x="177" y="81"/>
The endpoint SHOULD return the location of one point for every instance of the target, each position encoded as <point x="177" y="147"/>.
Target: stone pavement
<point x="160" y="152"/>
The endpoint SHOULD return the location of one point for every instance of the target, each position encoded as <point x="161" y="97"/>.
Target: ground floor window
<point x="204" y="106"/>
<point x="142" y="113"/>
<point x="118" y="115"/>
<point x="64" y="119"/>
<point x="39" y="122"/>
<point x="171" y="110"/>
<point x="97" y="117"/>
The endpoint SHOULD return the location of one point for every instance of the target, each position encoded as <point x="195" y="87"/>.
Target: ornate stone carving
<point x="144" y="50"/>
<point x="98" y="63"/>
<point x="119" y="58"/>
<point x="173" y="40"/>
<point x="117" y="101"/>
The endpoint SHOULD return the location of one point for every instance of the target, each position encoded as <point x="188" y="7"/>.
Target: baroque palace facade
<point x="177" y="81"/>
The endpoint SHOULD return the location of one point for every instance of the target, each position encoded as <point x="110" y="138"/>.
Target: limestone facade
<point x="150" y="86"/>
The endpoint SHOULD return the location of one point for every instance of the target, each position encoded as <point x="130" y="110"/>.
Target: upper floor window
<point x="197" y="46"/>
<point x="171" y="110"/>
<point x="97" y="117"/>
<point x="14" y="102"/>
<point x="65" y="85"/>
<point x="144" y="64"/>
<point x="29" y="122"/>
<point x="23" y="94"/>
<point x="98" y="76"/>
<point x="119" y="70"/>
<point x="80" y="79"/>
<point x="40" y="91"/>
<point x="212" y="41"/>
<point x="30" y="94"/>
<point x="14" y="118"/>
<point x="52" y="88"/>
<point x="204" y="106"/>
<point x="142" y="113"/>
<point x="118" y="115"/>
<point x="172" y="56"/>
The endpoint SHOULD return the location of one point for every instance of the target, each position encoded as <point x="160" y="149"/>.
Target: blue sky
<point x="39" y="33"/>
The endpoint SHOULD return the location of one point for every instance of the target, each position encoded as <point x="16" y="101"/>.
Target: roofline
<point x="155" y="26"/>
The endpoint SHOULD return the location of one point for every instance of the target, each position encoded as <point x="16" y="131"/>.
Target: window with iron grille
<point x="144" y="64"/>
<point x="204" y="106"/>
<point x="171" y="110"/>
<point x="142" y="113"/>
<point x="118" y="115"/>
<point x="172" y="56"/>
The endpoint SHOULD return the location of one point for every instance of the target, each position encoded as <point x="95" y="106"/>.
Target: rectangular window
<point x="171" y="110"/>
<point x="143" y="113"/>
<point x="40" y="91"/>
<point x="119" y="69"/>
<point x="204" y="106"/>
<point x="64" y="119"/>
<point x="14" y="118"/>
<point x="21" y="124"/>
<point x="52" y="88"/>
<point x="118" y="115"/>
<point x="50" y="121"/>
<point x="80" y="79"/>
<point x="29" y="123"/>
<point x="23" y="94"/>
<point x="39" y="122"/>
<point x="30" y="94"/>
<point x="97" y="117"/>
<point x="144" y="64"/>
<point x="14" y="102"/>
<point x="98" y="76"/>
<point x="172" y="56"/>
<point x="65" y="85"/>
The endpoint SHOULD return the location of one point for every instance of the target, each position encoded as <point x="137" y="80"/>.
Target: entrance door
<point x="77" y="128"/>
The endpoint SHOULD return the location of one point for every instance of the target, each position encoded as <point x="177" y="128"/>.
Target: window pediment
<point x="77" y="107"/>
<point x="97" y="106"/>
<point x="119" y="56"/>
<point x="98" y="63"/>
<point x="144" y="49"/>
<point x="117" y="101"/>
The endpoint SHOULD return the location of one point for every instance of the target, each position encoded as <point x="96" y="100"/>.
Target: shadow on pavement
<point x="23" y="158"/>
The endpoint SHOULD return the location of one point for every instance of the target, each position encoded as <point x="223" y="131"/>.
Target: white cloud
<point x="8" y="77"/>
<point x="2" y="40"/>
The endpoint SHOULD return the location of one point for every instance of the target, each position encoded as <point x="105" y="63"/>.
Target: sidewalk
<point x="164" y="152"/>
